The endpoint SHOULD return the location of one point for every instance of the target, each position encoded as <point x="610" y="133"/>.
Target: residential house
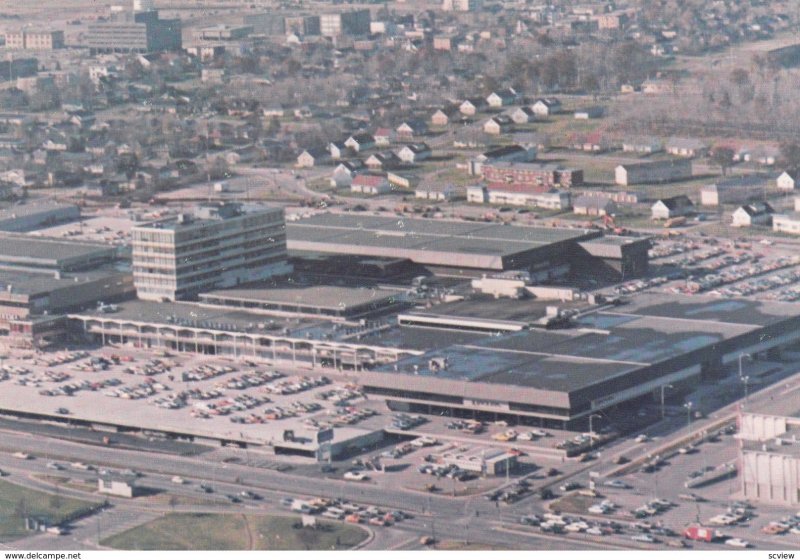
<point x="752" y="214"/>
<point x="343" y="174"/>
<point x="733" y="190"/>
<point x="686" y="147"/>
<point x="436" y="191"/>
<point x="502" y="98"/>
<point x="594" y="112"/>
<point x="414" y="153"/>
<point x="787" y="180"/>
<point x="477" y="194"/>
<point x="594" y="206"/>
<point x="442" y="117"/>
<point x="546" y="106"/>
<point x="498" y="125"/>
<point x="410" y="129"/>
<point x="382" y="160"/>
<point x="661" y="171"/>
<point x="337" y="150"/>
<point x="642" y="145"/>
<point x="672" y="207"/>
<point x="786" y="223"/>
<point x="370" y="184"/>
<point x="384" y="137"/>
<point x="360" y="142"/>
<point x="471" y="106"/>
<point x="590" y="142"/>
<point x="522" y="115"/>
<point x="312" y="157"/>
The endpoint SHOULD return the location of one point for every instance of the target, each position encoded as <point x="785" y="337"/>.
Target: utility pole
<point x="663" y="412"/>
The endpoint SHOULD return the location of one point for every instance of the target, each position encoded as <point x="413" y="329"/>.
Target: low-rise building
<point x="662" y="171"/>
<point x="594" y="112"/>
<point x="370" y="184"/>
<point x="502" y="98"/>
<point x="522" y="115"/>
<point x="593" y="206"/>
<point x="686" y="147"/>
<point x="312" y="157"/>
<point x="642" y="145"/>
<point x="667" y="208"/>
<point x="436" y="191"/>
<point x="498" y="125"/>
<point x="787" y="181"/>
<point x="535" y="174"/>
<point x="525" y="195"/>
<point x="477" y="194"/>
<point x="414" y="153"/>
<point x="546" y="106"/>
<point x="733" y="190"/>
<point x="786" y="223"/>
<point x="755" y="213"/>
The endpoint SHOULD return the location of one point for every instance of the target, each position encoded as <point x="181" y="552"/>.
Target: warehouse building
<point x="451" y="248"/>
<point x="734" y="190"/>
<point x="663" y="171"/>
<point x="559" y="369"/>
<point x="770" y="454"/>
<point x="36" y="215"/>
<point x="219" y="246"/>
<point x="141" y="32"/>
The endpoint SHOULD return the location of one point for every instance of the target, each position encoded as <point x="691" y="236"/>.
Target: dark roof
<point x="675" y="202"/>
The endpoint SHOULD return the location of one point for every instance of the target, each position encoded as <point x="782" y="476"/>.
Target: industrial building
<point x="536" y="174"/>
<point x="219" y="246"/>
<point x="28" y="217"/>
<point x="733" y="190"/>
<point x="451" y="247"/>
<point x="454" y="248"/>
<point x="352" y="23"/>
<point x="142" y="32"/>
<point x="770" y="454"/>
<point x="35" y="40"/>
<point x="662" y="171"/>
<point x="555" y="367"/>
<point x="330" y="302"/>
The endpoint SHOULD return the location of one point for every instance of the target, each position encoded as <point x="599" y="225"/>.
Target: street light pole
<point x="591" y="430"/>
<point x="746" y="380"/>
<point x="688" y="407"/>
<point x="663" y="413"/>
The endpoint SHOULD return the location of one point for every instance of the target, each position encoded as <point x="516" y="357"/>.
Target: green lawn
<point x="18" y="502"/>
<point x="235" y="532"/>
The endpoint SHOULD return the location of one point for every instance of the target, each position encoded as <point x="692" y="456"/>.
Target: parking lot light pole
<point x="688" y="407"/>
<point x="591" y="430"/>
<point x="663" y="412"/>
<point x="742" y="355"/>
<point x="745" y="380"/>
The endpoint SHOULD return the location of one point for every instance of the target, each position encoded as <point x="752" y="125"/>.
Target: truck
<point x="698" y="533"/>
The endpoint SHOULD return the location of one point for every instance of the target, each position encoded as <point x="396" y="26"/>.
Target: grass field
<point x="235" y="532"/>
<point x="458" y="545"/>
<point x="17" y="502"/>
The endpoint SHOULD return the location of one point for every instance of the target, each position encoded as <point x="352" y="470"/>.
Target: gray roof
<point x="328" y="297"/>
<point x="434" y="242"/>
<point x="33" y="249"/>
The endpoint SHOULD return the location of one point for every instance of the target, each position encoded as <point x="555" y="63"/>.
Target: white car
<point x="738" y="543"/>
<point x="355" y="475"/>
<point x="525" y="436"/>
<point x="539" y="433"/>
<point x="641" y="438"/>
<point x="643" y="538"/>
<point x="598" y="509"/>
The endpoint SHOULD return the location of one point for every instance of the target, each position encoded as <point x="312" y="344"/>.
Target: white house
<point x="343" y="174"/>
<point x="756" y="213"/>
<point x="471" y="106"/>
<point x="413" y="153"/>
<point x="667" y="208"/>
<point x="787" y="180"/>
<point x="497" y="125"/>
<point x="312" y="157"/>
<point x="594" y="206"/>
<point x="501" y="98"/>
<point x="411" y="128"/>
<point x="522" y="115"/>
<point x="384" y="137"/>
<point x="360" y="142"/>
<point x="546" y="106"/>
<point x="337" y="150"/>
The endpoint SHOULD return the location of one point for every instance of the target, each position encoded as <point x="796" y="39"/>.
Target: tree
<point x="723" y="157"/>
<point x="790" y="154"/>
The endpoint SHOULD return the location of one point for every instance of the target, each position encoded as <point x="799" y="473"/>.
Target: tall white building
<point x="218" y="246"/>
<point x="144" y="5"/>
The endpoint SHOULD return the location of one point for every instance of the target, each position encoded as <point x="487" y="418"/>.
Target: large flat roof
<point x="434" y="242"/>
<point x="327" y="297"/>
<point x="31" y="248"/>
<point x="602" y="344"/>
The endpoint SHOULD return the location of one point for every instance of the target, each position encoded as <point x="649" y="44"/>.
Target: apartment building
<point x="35" y="40"/>
<point x="218" y="246"/>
